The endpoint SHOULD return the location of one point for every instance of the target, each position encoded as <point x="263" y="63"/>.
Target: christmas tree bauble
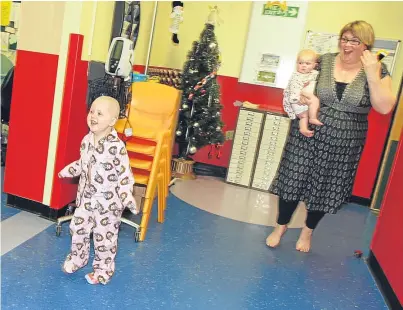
<point x="185" y="106"/>
<point x="192" y="150"/>
<point x="196" y="125"/>
<point x="178" y="133"/>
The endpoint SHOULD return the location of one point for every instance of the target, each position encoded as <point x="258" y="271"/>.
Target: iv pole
<point x="150" y="42"/>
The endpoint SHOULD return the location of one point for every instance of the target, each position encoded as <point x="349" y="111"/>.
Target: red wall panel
<point x="371" y="156"/>
<point x="387" y="243"/>
<point x="271" y="99"/>
<point x="231" y="91"/>
<point x="73" y="124"/>
<point x="229" y="116"/>
<point x="30" y="121"/>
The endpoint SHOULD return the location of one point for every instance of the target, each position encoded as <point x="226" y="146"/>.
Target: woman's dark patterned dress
<point x="320" y="170"/>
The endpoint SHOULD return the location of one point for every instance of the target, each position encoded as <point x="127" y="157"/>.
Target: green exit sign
<point x="291" y="11"/>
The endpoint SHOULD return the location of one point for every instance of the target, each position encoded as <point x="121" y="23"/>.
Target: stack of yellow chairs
<point x="152" y="118"/>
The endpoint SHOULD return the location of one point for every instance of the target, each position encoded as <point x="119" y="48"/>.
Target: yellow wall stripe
<point x="71" y="24"/>
<point x="322" y="16"/>
<point x="40" y="26"/>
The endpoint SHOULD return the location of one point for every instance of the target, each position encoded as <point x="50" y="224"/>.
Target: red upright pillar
<point x="48" y="108"/>
<point x="386" y="255"/>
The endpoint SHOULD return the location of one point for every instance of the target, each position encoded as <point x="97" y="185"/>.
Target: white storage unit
<point x="244" y="148"/>
<point x="258" y="145"/>
<point x="271" y="147"/>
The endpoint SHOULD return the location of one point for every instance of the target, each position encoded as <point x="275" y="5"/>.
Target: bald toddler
<point x="105" y="189"/>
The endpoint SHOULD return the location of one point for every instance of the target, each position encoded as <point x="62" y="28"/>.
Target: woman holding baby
<point x="320" y="170"/>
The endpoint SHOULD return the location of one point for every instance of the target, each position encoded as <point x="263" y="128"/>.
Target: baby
<point x="105" y="189"/>
<point x="303" y="79"/>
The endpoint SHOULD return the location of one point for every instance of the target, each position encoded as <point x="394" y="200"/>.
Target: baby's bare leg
<point x="313" y="110"/>
<point x="303" y="124"/>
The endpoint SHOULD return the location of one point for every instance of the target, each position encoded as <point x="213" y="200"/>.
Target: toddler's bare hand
<point x="133" y="208"/>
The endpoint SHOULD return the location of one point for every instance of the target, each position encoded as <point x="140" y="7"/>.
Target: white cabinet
<point x="244" y="148"/>
<point x="258" y="145"/>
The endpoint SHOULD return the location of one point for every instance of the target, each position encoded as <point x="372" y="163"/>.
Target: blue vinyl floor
<point x="197" y="260"/>
<point x="6" y="212"/>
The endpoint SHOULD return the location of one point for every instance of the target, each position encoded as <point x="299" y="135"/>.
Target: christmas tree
<point x="199" y="122"/>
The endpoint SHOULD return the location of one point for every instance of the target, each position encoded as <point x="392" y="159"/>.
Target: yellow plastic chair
<point x="152" y="118"/>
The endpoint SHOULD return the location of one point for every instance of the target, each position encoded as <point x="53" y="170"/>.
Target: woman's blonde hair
<point x="362" y="30"/>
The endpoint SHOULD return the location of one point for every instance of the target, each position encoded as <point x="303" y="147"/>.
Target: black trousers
<point x="287" y="208"/>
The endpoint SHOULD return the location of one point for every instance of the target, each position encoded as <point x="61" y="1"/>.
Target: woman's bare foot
<point x="304" y="241"/>
<point x="273" y="240"/>
<point x="306" y="132"/>
<point x="315" y="121"/>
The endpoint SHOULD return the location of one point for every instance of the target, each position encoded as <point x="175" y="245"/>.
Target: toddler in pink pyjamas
<point x="105" y="189"/>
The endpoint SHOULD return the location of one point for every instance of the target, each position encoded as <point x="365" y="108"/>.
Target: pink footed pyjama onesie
<point x="105" y="189"/>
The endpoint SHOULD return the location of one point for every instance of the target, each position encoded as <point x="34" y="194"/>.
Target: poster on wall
<point x="269" y="60"/>
<point x="273" y="42"/>
<point x="10" y="12"/>
<point x="266" y="77"/>
<point x="389" y="60"/>
<point x="266" y="70"/>
<point x="323" y="43"/>
<point x="5" y="12"/>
